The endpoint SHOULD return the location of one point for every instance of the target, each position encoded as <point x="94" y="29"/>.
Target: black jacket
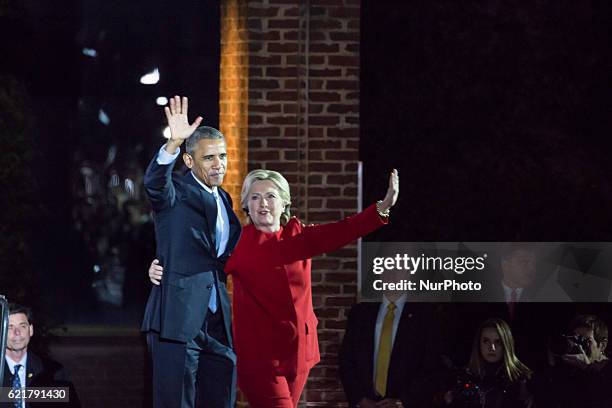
<point x="43" y="373"/>
<point x="413" y="358"/>
<point x="185" y="218"/>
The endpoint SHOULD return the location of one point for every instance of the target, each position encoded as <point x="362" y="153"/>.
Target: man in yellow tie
<point x="387" y="352"/>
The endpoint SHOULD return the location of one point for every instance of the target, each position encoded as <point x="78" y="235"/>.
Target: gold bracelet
<point x="383" y="214"/>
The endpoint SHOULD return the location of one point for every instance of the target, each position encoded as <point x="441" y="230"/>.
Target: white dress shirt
<point x="508" y="293"/>
<point x="22" y="371"/>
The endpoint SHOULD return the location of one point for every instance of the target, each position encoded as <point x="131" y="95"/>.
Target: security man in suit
<point x="188" y="317"/>
<point x="389" y="352"/>
<point x="25" y="369"/>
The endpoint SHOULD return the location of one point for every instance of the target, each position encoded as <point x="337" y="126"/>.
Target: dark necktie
<point x="16" y="384"/>
<point x="512" y="303"/>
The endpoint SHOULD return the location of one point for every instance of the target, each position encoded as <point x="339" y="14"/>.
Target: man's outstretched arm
<point x="158" y="177"/>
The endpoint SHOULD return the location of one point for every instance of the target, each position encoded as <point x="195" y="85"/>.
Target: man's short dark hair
<point x="509" y="249"/>
<point x="15" y="308"/>
<point x="203" y="132"/>
<point x="599" y="327"/>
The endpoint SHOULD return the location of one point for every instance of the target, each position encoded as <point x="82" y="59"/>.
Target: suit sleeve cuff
<point x="165" y="158"/>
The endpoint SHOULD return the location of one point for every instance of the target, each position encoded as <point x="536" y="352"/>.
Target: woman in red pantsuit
<point x="275" y="328"/>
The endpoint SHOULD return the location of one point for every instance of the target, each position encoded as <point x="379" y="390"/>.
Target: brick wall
<point x="303" y="120"/>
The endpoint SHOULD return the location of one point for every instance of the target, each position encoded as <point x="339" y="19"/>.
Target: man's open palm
<point x="176" y="114"/>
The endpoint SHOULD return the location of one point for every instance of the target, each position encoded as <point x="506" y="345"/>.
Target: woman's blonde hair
<point x="513" y="368"/>
<point x="279" y="182"/>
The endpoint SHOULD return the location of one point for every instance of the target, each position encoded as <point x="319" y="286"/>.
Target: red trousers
<point x="267" y="390"/>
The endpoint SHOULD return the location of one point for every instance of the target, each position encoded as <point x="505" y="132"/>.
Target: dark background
<point x="78" y="220"/>
<point x="497" y="115"/>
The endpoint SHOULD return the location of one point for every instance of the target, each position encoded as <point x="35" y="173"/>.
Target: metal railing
<point x="3" y="334"/>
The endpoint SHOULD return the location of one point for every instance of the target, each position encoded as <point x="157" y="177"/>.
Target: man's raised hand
<point x="176" y="114"/>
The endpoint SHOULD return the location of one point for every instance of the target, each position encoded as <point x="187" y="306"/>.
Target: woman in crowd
<point x="275" y="328"/>
<point x="494" y="377"/>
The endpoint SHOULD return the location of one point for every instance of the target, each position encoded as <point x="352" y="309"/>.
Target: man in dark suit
<point x="187" y="317"/>
<point x="396" y="374"/>
<point x="22" y="368"/>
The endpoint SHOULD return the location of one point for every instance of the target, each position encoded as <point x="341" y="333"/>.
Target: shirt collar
<point x="399" y="302"/>
<point x="209" y="189"/>
<point x="12" y="363"/>
<point x="508" y="291"/>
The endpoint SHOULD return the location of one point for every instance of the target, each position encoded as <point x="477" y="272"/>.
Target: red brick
<point x="342" y="179"/>
<point x="324" y="144"/>
<point x="281" y="120"/>
<point x="281" y="72"/>
<point x="349" y="85"/>
<point x="291" y="12"/>
<point x="286" y="47"/>
<point x="282" y="143"/>
<point x="323" y="191"/>
<point x="341" y="155"/>
<point x="260" y="108"/>
<point x="316" y="59"/>
<point x="343" y="132"/>
<point x="342" y="108"/>
<point x="283" y="23"/>
<point x="316" y="133"/>
<point x="324" y="96"/>
<point x="262" y="11"/>
<point x="325" y="24"/>
<point x="264" y="36"/>
<point x="326" y="48"/>
<point x="324" y="120"/>
<point x="281" y="96"/>
<point x="263" y="131"/>
<point x="262" y="155"/>
<point x="344" y="36"/>
<point x="264" y="84"/>
<point x="343" y="60"/>
<point x="291" y="131"/>
<point x="339" y="300"/>
<point x="325" y="167"/>
<point x="325" y="72"/>
<point x="265" y="60"/>
<point x="282" y="166"/>
<point x="341" y="203"/>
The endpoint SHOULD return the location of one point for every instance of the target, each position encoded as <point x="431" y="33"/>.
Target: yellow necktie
<point x="384" y="351"/>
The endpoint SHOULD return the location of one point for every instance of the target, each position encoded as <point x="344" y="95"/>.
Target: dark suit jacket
<point x="43" y="373"/>
<point x="413" y="358"/>
<point x="185" y="219"/>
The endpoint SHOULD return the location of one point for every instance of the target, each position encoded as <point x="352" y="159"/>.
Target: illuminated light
<point x="150" y="78"/>
<point x="103" y="117"/>
<point x="129" y="187"/>
<point x="96" y="268"/>
<point x="167" y="132"/>
<point x="90" y="52"/>
<point x="161" y="101"/>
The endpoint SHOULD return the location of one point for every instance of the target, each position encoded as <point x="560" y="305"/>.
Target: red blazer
<point x="275" y="327"/>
